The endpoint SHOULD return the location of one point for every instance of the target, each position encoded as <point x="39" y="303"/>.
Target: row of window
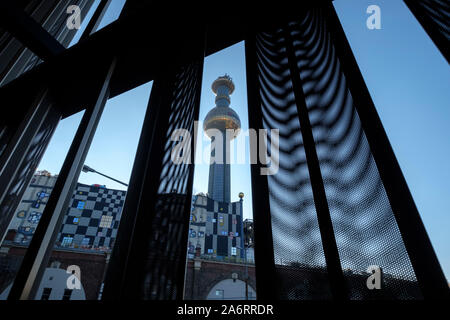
<point x="105" y="221"/>
<point x="67" y="241"/>
<point x="233" y="251"/>
<point x="230" y="234"/>
<point x="201" y="234"/>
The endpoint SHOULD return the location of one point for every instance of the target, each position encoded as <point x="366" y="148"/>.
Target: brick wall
<point x="198" y="283"/>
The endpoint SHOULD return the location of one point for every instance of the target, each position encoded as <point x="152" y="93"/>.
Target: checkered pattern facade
<point x="216" y="228"/>
<point x="93" y="218"/>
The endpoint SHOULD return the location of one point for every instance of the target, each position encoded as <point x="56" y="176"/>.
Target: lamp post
<point x="241" y="197"/>
<point x="246" y="271"/>
<point x="89" y="169"/>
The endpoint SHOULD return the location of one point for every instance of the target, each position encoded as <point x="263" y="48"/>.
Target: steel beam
<point x="37" y="256"/>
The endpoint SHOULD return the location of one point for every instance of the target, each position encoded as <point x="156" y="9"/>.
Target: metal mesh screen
<point x="365" y="228"/>
<point x="298" y="252"/>
<point x="364" y="225"/>
<point x="167" y="247"/>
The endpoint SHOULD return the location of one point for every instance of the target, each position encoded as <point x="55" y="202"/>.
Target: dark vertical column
<point x="149" y="257"/>
<point x="37" y="256"/>
<point x="115" y="275"/>
<point x="266" y="288"/>
<point x="16" y="153"/>
<point x="134" y="268"/>
<point x="336" y="277"/>
<point x="190" y="181"/>
<point x="423" y="258"/>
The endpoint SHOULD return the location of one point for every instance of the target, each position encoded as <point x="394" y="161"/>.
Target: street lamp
<point x="89" y="169"/>
<point x="246" y="271"/>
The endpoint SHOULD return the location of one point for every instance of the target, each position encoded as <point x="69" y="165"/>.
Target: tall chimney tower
<point x="221" y="118"/>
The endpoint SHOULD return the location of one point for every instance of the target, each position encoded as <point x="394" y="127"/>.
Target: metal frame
<point x="266" y="288"/>
<point x="30" y="33"/>
<point x="117" y="64"/>
<point x="96" y="19"/>
<point x="37" y="256"/>
<point x="128" y="257"/>
<point x="334" y="269"/>
<point x="16" y="155"/>
<point x="426" y="266"/>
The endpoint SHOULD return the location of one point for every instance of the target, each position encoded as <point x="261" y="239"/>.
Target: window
<point x="67" y="241"/>
<point x="34" y="217"/>
<point x="219" y="293"/>
<point x="106" y="221"/>
<point x="80" y="205"/>
<point x="85" y="241"/>
<point x="75" y="220"/>
<point x="46" y="293"/>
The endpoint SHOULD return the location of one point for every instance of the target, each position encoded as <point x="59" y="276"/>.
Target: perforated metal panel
<point x="365" y="228"/>
<point x="298" y="252"/>
<point x="166" y="249"/>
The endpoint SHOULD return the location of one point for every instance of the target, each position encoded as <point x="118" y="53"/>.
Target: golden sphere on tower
<point x="241" y="195"/>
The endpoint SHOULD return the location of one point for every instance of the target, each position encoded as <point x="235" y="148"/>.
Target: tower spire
<point x="221" y="118"/>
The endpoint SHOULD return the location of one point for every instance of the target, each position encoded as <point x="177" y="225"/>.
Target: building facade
<point x="86" y="238"/>
<point x="93" y="218"/>
<point x="216" y="228"/>
<point x="91" y="221"/>
<point x="30" y="208"/>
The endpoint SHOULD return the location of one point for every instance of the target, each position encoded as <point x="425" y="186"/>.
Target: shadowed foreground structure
<point x="338" y="203"/>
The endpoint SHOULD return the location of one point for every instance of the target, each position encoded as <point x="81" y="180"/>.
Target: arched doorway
<point x="231" y="289"/>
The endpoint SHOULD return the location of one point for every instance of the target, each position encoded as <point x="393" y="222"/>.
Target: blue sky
<point x="406" y="75"/>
